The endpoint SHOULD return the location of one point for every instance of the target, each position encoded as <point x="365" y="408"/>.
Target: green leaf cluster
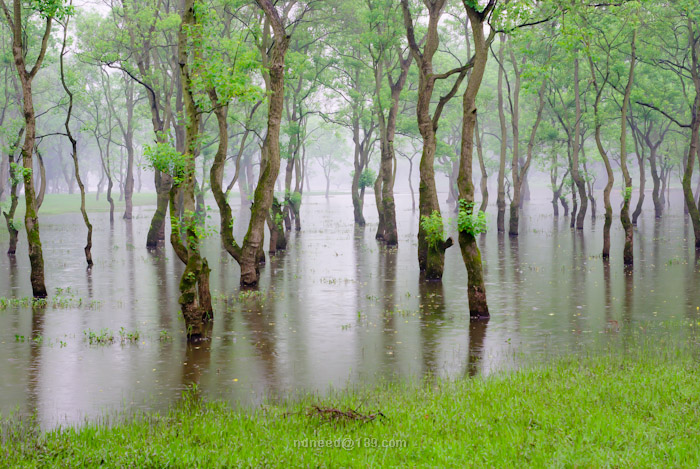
<point x="434" y="229"/>
<point x="166" y="159"/>
<point x="470" y="221"/>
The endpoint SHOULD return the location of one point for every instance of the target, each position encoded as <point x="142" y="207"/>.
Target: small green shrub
<point x="469" y="221"/>
<point x="434" y="229"/>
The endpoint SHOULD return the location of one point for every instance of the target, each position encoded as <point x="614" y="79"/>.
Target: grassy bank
<point x="637" y="410"/>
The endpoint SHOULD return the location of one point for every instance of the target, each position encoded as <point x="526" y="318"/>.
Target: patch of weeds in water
<point x="255" y="295"/>
<point x="55" y="302"/>
<point x="128" y="337"/>
<point x="399" y="311"/>
<point x="163" y="336"/>
<point x="25" y="302"/>
<point x="107" y="337"/>
<point x="60" y="291"/>
<point x="103" y="337"/>
<point x="19" y="338"/>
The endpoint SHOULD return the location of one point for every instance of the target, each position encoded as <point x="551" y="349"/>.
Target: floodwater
<point x="335" y="310"/>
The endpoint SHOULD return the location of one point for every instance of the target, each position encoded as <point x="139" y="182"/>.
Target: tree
<point x="74" y="144"/>
<point x="470" y="222"/>
<point x="431" y="245"/>
<point x="21" y="23"/>
<point x="390" y="63"/>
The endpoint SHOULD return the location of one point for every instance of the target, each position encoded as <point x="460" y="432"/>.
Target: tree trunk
<point x="163" y="183"/>
<point x="501" y="197"/>
<point x="690" y="202"/>
<point x="642" y="178"/>
<point x="31" y="218"/>
<point x="216" y="174"/>
<point x="129" y="143"/>
<point x="520" y="175"/>
<point x="195" y="299"/>
<point x="74" y="149"/>
<point x="356" y="192"/>
<point x="575" y="173"/>
<point x="482" y="167"/>
<point x="270" y="153"/>
<point x="606" y="160"/>
<point x="628" y="253"/>
<point x="410" y="185"/>
<point x="278" y="240"/>
<point x="14" y="199"/>
<point x="42" y="179"/>
<point x="431" y="256"/>
<point x="657" y="193"/>
<point x="476" y="289"/>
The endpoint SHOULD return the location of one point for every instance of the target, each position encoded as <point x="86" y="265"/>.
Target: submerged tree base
<point x="610" y="410"/>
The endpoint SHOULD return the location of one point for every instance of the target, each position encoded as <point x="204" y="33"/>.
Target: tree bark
<point x="31" y="218"/>
<point x="482" y="166"/>
<point x="74" y="149"/>
<point x="606" y="160"/>
<point x="476" y="289"/>
<point x="628" y="253"/>
<point x="14" y="199"/>
<point x="195" y="299"/>
<point x="501" y="197"/>
<point x="270" y="153"/>
<point x="431" y="258"/>
<point x="519" y="176"/>
<point x="384" y="191"/>
<point x="575" y="173"/>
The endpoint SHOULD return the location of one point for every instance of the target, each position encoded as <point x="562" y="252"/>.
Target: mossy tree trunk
<point x="195" y="299"/>
<point x="216" y="174"/>
<point x="14" y="198"/>
<point x="31" y="219"/>
<point x="430" y="256"/>
<point x="270" y="153"/>
<point x="628" y="252"/>
<point x="476" y="289"/>
<point x="386" y="63"/>
<point x="482" y="167"/>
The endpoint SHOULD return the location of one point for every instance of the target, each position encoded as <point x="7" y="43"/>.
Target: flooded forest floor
<point x="581" y="362"/>
<point x="639" y="409"/>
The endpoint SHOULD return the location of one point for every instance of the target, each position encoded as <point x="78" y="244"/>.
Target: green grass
<point x="637" y="410"/>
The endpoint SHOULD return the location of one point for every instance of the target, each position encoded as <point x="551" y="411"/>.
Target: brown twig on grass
<point x="330" y="413"/>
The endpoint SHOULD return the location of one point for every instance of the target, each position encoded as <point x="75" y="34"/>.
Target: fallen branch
<point x="330" y="413"/>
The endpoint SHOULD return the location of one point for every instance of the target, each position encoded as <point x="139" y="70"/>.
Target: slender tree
<point x="18" y="22"/>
